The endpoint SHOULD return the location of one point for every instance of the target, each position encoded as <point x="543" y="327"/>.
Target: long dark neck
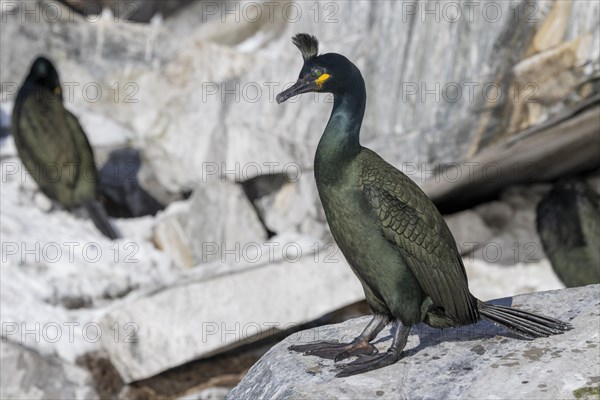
<point x="340" y="142"/>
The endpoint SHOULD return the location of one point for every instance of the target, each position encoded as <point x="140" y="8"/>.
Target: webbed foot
<point x="336" y="351"/>
<point x="366" y="363"/>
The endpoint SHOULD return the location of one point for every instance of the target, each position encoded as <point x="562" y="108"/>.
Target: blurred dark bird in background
<point x="568" y="222"/>
<point x="53" y="146"/>
<point x="120" y="191"/>
<point x="392" y="235"/>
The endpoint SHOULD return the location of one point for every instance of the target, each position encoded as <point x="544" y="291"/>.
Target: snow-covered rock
<point x="186" y="92"/>
<point x="268" y="288"/>
<point x="490" y="281"/>
<point x="29" y="375"/>
<point x="217" y="217"/>
<point x="469" y="230"/>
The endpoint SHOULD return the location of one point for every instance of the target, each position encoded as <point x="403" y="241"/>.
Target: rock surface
<point x="247" y="301"/>
<point x="478" y="361"/>
<point x="171" y="77"/>
<point x="503" y="231"/>
<point x="489" y="281"/>
<point x="223" y="218"/>
<point x="28" y="375"/>
<point x="469" y="230"/>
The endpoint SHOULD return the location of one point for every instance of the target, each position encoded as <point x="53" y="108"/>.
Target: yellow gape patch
<point x="321" y="80"/>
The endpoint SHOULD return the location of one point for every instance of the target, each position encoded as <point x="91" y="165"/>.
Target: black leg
<point x="371" y="362"/>
<point x="339" y="351"/>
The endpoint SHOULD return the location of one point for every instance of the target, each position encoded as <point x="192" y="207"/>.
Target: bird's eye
<point x="318" y="72"/>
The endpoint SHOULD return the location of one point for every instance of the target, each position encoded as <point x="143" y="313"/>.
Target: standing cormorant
<point x="53" y="146"/>
<point x="389" y="231"/>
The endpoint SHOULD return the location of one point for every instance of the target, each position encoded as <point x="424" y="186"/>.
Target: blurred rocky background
<point x="485" y="105"/>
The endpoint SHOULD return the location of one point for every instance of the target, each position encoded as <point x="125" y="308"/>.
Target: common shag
<point x="120" y="190"/>
<point x="568" y="222"/>
<point x="53" y="146"/>
<point x="389" y="231"/>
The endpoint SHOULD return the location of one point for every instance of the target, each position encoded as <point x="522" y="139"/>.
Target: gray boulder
<point x="27" y="374"/>
<point x="469" y="230"/>
<point x="477" y="361"/>
<point x="218" y="216"/>
<point x="194" y="79"/>
<point x="255" y="293"/>
<point x="511" y="220"/>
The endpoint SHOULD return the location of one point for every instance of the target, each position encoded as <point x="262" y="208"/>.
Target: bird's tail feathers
<point x="101" y="219"/>
<point x="523" y="323"/>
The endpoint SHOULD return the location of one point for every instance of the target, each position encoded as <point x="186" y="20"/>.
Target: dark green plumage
<point x="414" y="227"/>
<point x="53" y="146"/>
<point x="568" y="222"/>
<point x="392" y="235"/>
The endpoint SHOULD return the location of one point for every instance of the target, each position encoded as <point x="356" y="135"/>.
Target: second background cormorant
<point x="568" y="222"/>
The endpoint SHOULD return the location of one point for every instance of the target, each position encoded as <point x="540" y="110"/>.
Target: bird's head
<point x="329" y="73"/>
<point x="44" y="74"/>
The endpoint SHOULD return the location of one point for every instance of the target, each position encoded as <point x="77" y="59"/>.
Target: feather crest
<point x="307" y="44"/>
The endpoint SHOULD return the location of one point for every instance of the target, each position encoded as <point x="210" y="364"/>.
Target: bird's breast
<point x="353" y="224"/>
